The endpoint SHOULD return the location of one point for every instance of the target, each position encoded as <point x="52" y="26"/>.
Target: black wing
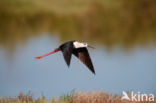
<point x="83" y="55"/>
<point x="67" y="52"/>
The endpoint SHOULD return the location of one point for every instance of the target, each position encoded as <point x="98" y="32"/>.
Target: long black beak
<point x="91" y="47"/>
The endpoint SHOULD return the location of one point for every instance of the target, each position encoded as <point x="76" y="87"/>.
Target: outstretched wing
<point x="67" y="52"/>
<point x="83" y="55"/>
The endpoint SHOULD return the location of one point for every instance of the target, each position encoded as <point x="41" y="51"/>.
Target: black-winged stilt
<point x="73" y="47"/>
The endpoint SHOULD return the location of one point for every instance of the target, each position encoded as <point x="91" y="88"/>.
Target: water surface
<point x="122" y="32"/>
<point x="116" y="70"/>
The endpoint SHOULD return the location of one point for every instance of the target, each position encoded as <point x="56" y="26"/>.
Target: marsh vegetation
<point x="88" y="97"/>
<point x="109" y="22"/>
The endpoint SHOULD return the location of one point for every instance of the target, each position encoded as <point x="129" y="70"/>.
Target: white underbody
<point x="79" y="45"/>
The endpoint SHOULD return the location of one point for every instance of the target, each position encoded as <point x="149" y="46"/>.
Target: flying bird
<point x="76" y="48"/>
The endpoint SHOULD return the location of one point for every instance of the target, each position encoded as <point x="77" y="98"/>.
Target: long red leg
<point x="54" y="51"/>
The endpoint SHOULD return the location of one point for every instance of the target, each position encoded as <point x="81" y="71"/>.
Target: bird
<point x="76" y="48"/>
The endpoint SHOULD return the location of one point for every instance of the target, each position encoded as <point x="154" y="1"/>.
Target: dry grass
<point x="88" y="97"/>
<point x="101" y="97"/>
